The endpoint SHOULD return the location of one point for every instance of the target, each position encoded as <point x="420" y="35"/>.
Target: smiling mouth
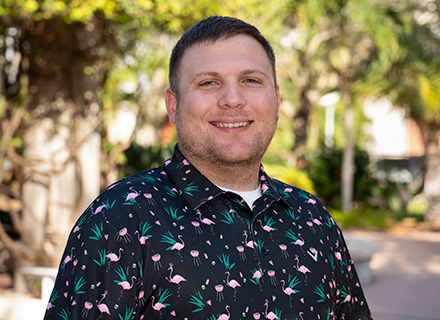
<point x="232" y="125"/>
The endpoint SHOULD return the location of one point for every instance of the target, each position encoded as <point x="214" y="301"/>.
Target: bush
<point x="364" y="218"/>
<point x="140" y="158"/>
<point x="324" y="169"/>
<point x="290" y="176"/>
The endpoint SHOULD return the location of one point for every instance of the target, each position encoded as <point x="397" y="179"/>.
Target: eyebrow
<point x="251" y="71"/>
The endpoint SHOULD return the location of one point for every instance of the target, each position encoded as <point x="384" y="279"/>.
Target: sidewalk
<point x="16" y="307"/>
<point x="406" y="271"/>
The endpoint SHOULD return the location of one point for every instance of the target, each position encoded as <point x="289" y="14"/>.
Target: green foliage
<point x="140" y="158"/>
<point x="364" y="218"/>
<point x="77" y="11"/>
<point x="324" y="170"/>
<point x="173" y="16"/>
<point x="290" y="176"/>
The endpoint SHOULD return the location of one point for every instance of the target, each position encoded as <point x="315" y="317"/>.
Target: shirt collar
<point x="196" y="189"/>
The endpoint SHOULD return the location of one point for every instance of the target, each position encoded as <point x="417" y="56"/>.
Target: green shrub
<point x="364" y="218"/>
<point x="290" y="176"/>
<point x="324" y="169"/>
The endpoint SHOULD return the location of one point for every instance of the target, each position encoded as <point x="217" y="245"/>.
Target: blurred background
<point x="81" y="106"/>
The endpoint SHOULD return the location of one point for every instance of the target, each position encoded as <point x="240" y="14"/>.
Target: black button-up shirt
<point x="168" y="244"/>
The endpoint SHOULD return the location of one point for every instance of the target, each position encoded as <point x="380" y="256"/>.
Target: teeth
<point x="232" y="125"/>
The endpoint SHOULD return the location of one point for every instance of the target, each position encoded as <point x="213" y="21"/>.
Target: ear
<point x="171" y="104"/>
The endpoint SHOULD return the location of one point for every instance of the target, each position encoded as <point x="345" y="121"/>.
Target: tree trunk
<point x="432" y="180"/>
<point x="348" y="166"/>
<point x="301" y="118"/>
<point x="61" y="139"/>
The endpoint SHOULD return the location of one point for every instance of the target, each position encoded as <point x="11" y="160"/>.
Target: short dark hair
<point x="210" y="30"/>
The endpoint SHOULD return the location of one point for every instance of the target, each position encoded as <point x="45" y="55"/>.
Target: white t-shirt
<point x="248" y="196"/>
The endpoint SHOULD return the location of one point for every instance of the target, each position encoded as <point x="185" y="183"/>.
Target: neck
<point x="238" y="176"/>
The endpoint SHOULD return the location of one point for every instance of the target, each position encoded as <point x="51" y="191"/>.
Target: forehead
<point x="225" y="55"/>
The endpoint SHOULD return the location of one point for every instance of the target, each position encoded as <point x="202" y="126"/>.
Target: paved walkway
<point x="406" y="271"/>
<point x="405" y="286"/>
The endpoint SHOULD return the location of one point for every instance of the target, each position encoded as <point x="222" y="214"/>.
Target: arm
<point x="351" y="299"/>
<point x="98" y="273"/>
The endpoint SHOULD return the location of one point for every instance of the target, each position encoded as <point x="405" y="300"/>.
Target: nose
<point x="232" y="96"/>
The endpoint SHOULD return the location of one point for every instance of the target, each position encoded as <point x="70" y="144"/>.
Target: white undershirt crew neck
<point x="248" y="196"/>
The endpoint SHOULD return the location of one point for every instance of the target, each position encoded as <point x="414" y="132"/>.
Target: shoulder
<point x="303" y="201"/>
<point x="292" y="192"/>
<point x="128" y="189"/>
<point x="127" y="196"/>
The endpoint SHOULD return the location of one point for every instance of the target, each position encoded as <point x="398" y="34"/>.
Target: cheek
<point x="196" y="108"/>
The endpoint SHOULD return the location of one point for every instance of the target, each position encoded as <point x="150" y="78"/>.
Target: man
<point x="209" y="235"/>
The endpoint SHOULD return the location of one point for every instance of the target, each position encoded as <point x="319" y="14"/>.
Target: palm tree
<point x="342" y="40"/>
<point x="412" y="82"/>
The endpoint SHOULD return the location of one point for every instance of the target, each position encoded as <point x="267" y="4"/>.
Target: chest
<point x="209" y="260"/>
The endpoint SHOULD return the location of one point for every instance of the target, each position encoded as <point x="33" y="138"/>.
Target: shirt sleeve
<point x="98" y="274"/>
<point x="351" y="300"/>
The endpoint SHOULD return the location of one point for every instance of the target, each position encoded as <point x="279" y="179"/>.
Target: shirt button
<point x="264" y="251"/>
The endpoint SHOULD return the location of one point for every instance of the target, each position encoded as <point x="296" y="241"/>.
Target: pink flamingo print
<point x="225" y="316"/>
<point x="102" y="307"/>
<point x="99" y="209"/>
<point x="316" y="221"/>
<point x="157" y="306"/>
<point x="177" y="279"/>
<point x="132" y="195"/>
<point x="233" y="283"/>
<point x="126" y="285"/>
<point x="68" y="258"/>
<point x="266" y="227"/>
<point x="178" y="245"/>
<point x="251" y="243"/>
<point x="270" y="315"/>
<point x="299" y="242"/>
<point x="303" y="269"/>
<point x="289" y="291"/>
<point x="219" y="288"/>
<point x="205" y="220"/>
<point x="113" y="257"/>
<point x="156" y="260"/>
<point x="256" y="315"/>
<point x="142" y="239"/>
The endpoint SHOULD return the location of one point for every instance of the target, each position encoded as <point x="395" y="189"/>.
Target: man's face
<point x="227" y="108"/>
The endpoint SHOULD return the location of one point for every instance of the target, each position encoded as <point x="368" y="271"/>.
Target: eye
<point x="252" y="80"/>
<point x="207" y="83"/>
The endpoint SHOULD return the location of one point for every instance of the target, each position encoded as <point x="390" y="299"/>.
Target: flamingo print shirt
<point x="168" y="244"/>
